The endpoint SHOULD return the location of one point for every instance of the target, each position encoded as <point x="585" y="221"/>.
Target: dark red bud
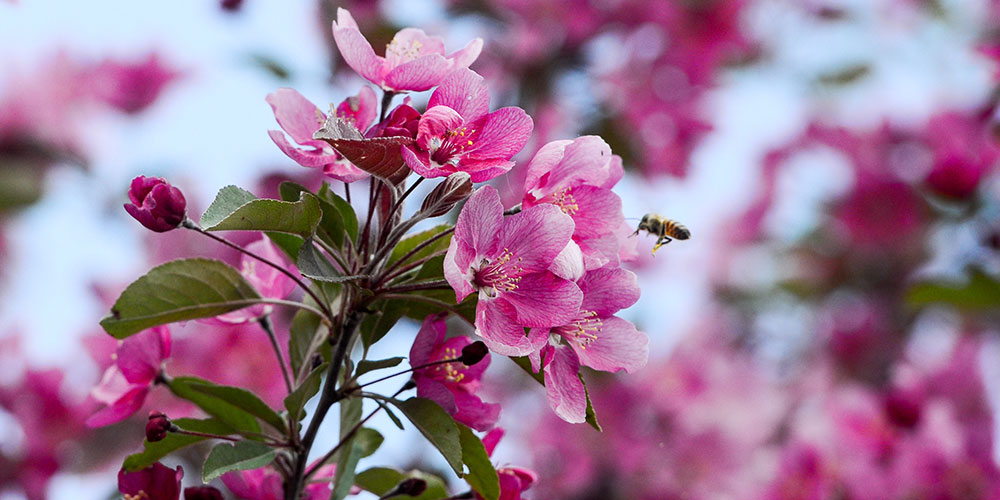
<point x="903" y="408"/>
<point x="232" y="5"/>
<point x="447" y="194"/>
<point x="474" y="353"/>
<point x="202" y="493"/>
<point x="157" y="427"/>
<point x="413" y="486"/>
<point x="156" y="204"/>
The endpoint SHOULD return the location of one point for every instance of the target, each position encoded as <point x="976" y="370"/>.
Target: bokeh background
<point x="829" y="332"/>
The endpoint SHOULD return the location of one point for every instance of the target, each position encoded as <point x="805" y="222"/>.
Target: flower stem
<point x="267" y="326"/>
<point x="423" y="285"/>
<point x="190" y="224"/>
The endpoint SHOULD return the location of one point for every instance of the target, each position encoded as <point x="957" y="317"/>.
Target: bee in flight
<point x="666" y="229"/>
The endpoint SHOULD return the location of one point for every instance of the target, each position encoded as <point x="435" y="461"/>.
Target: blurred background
<point x="829" y="332"/>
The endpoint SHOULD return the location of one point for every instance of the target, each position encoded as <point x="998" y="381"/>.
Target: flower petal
<point x="608" y="290"/>
<point x="437" y="391"/>
<point x="431" y="333"/>
<point x="480" y="221"/>
<point x="464" y="91"/>
<point x="306" y="157"/>
<point x="563" y="386"/>
<point x="496" y="324"/>
<point x="456" y="268"/>
<point x="502" y="133"/>
<point x="464" y="57"/>
<point x="124" y="407"/>
<point x="598" y="211"/>
<point x="474" y="412"/>
<point x="569" y="263"/>
<point x="418" y="75"/>
<point x="619" y="346"/>
<point x="357" y="52"/>
<point x="535" y="236"/>
<point x="544" y="299"/>
<point x="139" y="356"/>
<point x="297" y="116"/>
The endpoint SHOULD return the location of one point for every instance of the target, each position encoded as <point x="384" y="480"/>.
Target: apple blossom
<point x="126" y="383"/>
<point x="156" y="482"/>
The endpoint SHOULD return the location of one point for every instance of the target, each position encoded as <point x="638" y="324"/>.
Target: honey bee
<point x="666" y="229"/>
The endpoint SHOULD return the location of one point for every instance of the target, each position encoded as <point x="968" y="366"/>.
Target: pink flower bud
<point x="231" y="6"/>
<point x="202" y="493"/>
<point x="157" y="427"/>
<point x="156" y="204"/>
<point x="474" y="353"/>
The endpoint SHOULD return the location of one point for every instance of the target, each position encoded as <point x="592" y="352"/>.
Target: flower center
<point x="582" y="331"/>
<point x="138" y="496"/>
<point x="404" y="52"/>
<point x="448" y="370"/>
<point x="565" y="201"/>
<point x="448" y="148"/>
<point x="500" y="275"/>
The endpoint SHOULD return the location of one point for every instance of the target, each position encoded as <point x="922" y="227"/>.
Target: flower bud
<point x="402" y="121"/>
<point x="157" y="427"/>
<point x="156" y="204"/>
<point x="474" y="353"/>
<point x="231" y="6"/>
<point x="413" y="486"/>
<point x="456" y="188"/>
<point x="202" y="493"/>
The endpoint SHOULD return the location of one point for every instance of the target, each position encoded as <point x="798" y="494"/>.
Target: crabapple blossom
<point x="513" y="480"/>
<point x="156" y="204"/>
<point x="126" y="383"/>
<point x="506" y="261"/>
<point x="130" y="87"/>
<point x="577" y="176"/>
<point x="267" y="484"/>
<point x="156" y="482"/>
<point x="452" y="385"/>
<point x="300" y="119"/>
<point x="413" y="60"/>
<point x="595" y="337"/>
<point x="457" y="133"/>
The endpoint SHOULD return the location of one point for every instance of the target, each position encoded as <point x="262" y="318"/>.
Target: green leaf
<point x="242" y="399"/>
<point x="299" y="217"/>
<point x="365" y="366"/>
<point x="377" y="325"/>
<point x="237" y="418"/>
<point x="437" y="426"/>
<point x="591" y="414"/>
<point x="525" y="364"/>
<point x="980" y="292"/>
<point x="288" y="243"/>
<point x="314" y="265"/>
<point x="331" y="227"/>
<point x="347" y="214"/>
<point x="392" y="415"/>
<point x="381" y="480"/>
<point x="177" y="291"/>
<point x="229" y="199"/>
<point x="153" y="452"/>
<point x="295" y="403"/>
<point x="482" y="476"/>
<point x="244" y="455"/>
<point x="350" y="453"/>
<point x="306" y="335"/>
<point x="368" y="441"/>
<point x="410" y="242"/>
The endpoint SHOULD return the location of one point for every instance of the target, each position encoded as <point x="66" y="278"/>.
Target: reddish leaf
<point x="379" y="156"/>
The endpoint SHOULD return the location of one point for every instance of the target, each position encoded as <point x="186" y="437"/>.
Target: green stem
<point x="265" y="323"/>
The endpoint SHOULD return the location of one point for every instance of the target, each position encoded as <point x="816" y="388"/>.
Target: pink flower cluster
<point x="553" y="268"/>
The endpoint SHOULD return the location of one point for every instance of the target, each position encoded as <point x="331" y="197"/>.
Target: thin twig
<point x="420" y="298"/>
<point x="265" y="324"/>
<point x="423" y="244"/>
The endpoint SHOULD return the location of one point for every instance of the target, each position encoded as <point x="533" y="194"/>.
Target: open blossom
<point x="451" y="385"/>
<point x="266" y="484"/>
<point x="506" y="260"/>
<point x="300" y="119"/>
<point x="126" y="383"/>
<point x="457" y="133"/>
<point x="156" y="204"/>
<point x="594" y="338"/>
<point x="577" y="176"/>
<point x="156" y="482"/>
<point x="268" y="281"/>
<point x="413" y="60"/>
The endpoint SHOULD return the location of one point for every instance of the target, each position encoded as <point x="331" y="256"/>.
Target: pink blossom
<point x="156" y="482"/>
<point x="506" y="260"/>
<point x="595" y="337"/>
<point x="577" y="176"/>
<point x="413" y="60"/>
<point x="266" y="484"/>
<point x="451" y="385"/>
<point x="457" y="133"/>
<point x="401" y="121"/>
<point x="131" y="86"/>
<point x="300" y="119"/>
<point x="513" y="480"/>
<point x="269" y="282"/>
<point x="126" y="383"/>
